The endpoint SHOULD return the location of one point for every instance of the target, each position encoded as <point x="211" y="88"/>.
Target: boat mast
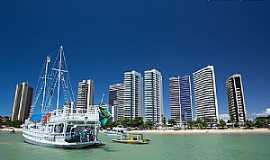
<point x="59" y="77"/>
<point x="45" y="84"/>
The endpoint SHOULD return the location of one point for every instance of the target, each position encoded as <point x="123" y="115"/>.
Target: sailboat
<point x="64" y="126"/>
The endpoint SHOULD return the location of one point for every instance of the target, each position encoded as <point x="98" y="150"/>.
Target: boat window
<point x="69" y="128"/>
<point x="59" y="128"/>
<point x="76" y="122"/>
<point x="50" y="128"/>
<point x="90" y="122"/>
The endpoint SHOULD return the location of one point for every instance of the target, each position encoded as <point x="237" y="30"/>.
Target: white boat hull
<point x="63" y="145"/>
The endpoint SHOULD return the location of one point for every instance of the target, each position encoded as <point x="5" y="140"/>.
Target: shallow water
<point x="190" y="147"/>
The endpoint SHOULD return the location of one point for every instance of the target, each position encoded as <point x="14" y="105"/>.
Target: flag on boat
<point x="104" y="115"/>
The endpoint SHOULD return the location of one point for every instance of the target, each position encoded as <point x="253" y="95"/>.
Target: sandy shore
<point x="204" y="131"/>
<point x="182" y="132"/>
<point x="9" y="129"/>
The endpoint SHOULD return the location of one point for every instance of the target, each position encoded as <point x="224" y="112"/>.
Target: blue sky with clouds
<point x="102" y="39"/>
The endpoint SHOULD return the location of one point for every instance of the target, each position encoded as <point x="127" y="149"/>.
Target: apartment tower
<point x="180" y="99"/>
<point x="205" y="95"/>
<point x="22" y="102"/>
<point x="85" y="95"/>
<point x="116" y="103"/>
<point x="132" y="94"/>
<point x="153" y="96"/>
<point x="236" y="100"/>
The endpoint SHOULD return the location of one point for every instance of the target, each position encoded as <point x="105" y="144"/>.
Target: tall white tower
<point x="132" y="94"/>
<point x="153" y="96"/>
<point x="205" y="95"/>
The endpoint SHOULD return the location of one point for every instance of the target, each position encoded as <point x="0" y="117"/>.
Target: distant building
<point x="85" y="95"/>
<point x="180" y="99"/>
<point x="116" y="102"/>
<point x="22" y="102"/>
<point x="153" y="96"/>
<point x="132" y="94"/>
<point x="236" y="100"/>
<point x="4" y="118"/>
<point x="205" y="95"/>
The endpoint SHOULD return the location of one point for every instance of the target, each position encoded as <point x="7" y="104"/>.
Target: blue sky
<point x="102" y="39"/>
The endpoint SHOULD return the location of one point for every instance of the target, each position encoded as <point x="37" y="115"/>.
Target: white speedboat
<point x="116" y="131"/>
<point x="66" y="126"/>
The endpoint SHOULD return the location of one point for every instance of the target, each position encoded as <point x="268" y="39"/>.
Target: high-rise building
<point x="174" y="99"/>
<point x="205" y="95"/>
<point x="85" y="93"/>
<point x="236" y="100"/>
<point x="22" y="102"/>
<point x="116" y="103"/>
<point x="132" y="94"/>
<point x="153" y="96"/>
<point x="180" y="98"/>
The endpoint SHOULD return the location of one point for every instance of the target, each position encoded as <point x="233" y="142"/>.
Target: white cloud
<point x="265" y="113"/>
<point x="224" y="117"/>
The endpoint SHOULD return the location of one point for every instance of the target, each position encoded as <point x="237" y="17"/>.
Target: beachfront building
<point x="153" y="96"/>
<point x="22" y="102"/>
<point x="85" y="95"/>
<point x="236" y="100"/>
<point x="132" y="95"/>
<point x="205" y="95"/>
<point x="116" y="103"/>
<point x="180" y="99"/>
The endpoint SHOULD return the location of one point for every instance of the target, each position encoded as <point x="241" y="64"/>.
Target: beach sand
<point x="204" y="131"/>
<point x="9" y="129"/>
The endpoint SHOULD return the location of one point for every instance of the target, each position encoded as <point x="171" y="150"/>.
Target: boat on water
<point x="131" y="139"/>
<point x="64" y="130"/>
<point x="116" y="131"/>
<point x="66" y="126"/>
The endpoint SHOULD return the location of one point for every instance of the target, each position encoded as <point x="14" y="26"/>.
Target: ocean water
<point x="161" y="147"/>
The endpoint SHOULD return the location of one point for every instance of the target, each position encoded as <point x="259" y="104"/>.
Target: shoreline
<point x="9" y="129"/>
<point x="181" y="132"/>
<point x="203" y="131"/>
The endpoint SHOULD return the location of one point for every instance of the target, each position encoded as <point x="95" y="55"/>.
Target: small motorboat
<point x="131" y="139"/>
<point x="116" y="131"/>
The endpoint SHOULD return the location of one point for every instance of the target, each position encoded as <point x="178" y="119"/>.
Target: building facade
<point x="180" y="99"/>
<point x="174" y="99"/>
<point x="153" y="96"/>
<point x="85" y="95"/>
<point x="132" y="95"/>
<point x="22" y="102"/>
<point x="116" y="102"/>
<point x="236" y="100"/>
<point x="205" y="95"/>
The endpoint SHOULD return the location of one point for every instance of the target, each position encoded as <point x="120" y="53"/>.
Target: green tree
<point x="249" y="124"/>
<point x="164" y="121"/>
<point x="201" y="124"/>
<point x="16" y="124"/>
<point x="191" y="124"/>
<point x="137" y="122"/>
<point x="262" y="122"/>
<point x="172" y="122"/>
<point x="222" y="123"/>
<point x="148" y="124"/>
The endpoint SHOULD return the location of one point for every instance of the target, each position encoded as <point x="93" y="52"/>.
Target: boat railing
<point x="75" y="114"/>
